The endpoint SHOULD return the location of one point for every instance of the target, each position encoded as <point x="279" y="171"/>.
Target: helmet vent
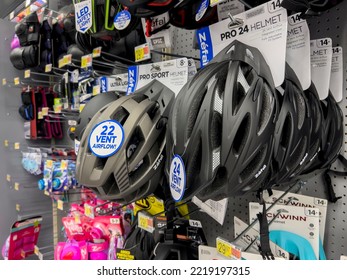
<point x="266" y="109"/>
<point x="120" y="115"/>
<point x="286" y="131"/>
<point x="298" y="154"/>
<point x="255" y="166"/>
<point x="300" y="101"/>
<point x="194" y="110"/>
<point x="194" y="167"/>
<point x="241" y="136"/>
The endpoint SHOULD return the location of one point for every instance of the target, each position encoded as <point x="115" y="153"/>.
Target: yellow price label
<point x="63" y="164"/>
<point x="145" y="222"/>
<point x="86" y="61"/>
<point x="16" y="81"/>
<point x="6" y="143"/>
<point x="77" y="218"/>
<point x="46" y="193"/>
<point x="48" y="68"/>
<point x="67" y="59"/>
<point x="39" y="115"/>
<point x="139" y="54"/>
<point x="61" y="63"/>
<point x="8" y="178"/>
<point x="18" y="207"/>
<point x="4" y="82"/>
<point x="27" y="74"/>
<point x="16" y="186"/>
<point x="215" y="2"/>
<point x="81" y="107"/>
<point x="60" y="204"/>
<point x="36" y="250"/>
<point x="57" y="108"/>
<point x="16" y="145"/>
<point x="89" y="211"/>
<point x="44" y="111"/>
<point x="228" y="249"/>
<point x="49" y="163"/>
<point x="97" y="52"/>
<point x="96" y="90"/>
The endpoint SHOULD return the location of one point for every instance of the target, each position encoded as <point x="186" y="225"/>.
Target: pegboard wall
<point x="333" y="24"/>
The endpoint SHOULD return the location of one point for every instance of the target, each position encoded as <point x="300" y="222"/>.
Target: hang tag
<point x="142" y="52"/>
<point x="336" y="77"/>
<point x="48" y="68"/>
<point x="122" y="20"/>
<point x="215" y="209"/>
<point x="298" y="49"/>
<point x="302" y="221"/>
<point x="8" y="178"/>
<point x="232" y="7"/>
<point x="172" y="73"/>
<point x="321" y="60"/>
<point x="83" y="16"/>
<point x="191" y="68"/>
<point x="16" y="81"/>
<point x="263" y="27"/>
<point x="250" y="235"/>
<point x="227" y="249"/>
<point x="16" y="145"/>
<point x="16" y="186"/>
<point x="202" y="9"/>
<point x="145" y="222"/>
<point x="117" y="82"/>
<point x="161" y="39"/>
<point x="44" y="111"/>
<point x="27" y="74"/>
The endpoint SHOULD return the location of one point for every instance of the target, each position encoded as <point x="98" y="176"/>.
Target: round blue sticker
<point x="177" y="178"/>
<point x="202" y="9"/>
<point x="106" y="138"/>
<point x="122" y="20"/>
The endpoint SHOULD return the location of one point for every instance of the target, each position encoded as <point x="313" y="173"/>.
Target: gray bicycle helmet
<point x="222" y="125"/>
<point x="136" y="170"/>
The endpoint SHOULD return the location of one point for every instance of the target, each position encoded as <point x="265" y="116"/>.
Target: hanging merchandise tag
<point x="86" y="61"/>
<point x="232" y="7"/>
<point x="106" y="138"/>
<point x="97" y="52"/>
<point x="142" y="52"/>
<point x="48" y="68"/>
<point x="172" y="73"/>
<point x="250" y="235"/>
<point x="122" y="20"/>
<point x="161" y="39"/>
<point x="302" y="201"/>
<point x="27" y="74"/>
<point x="215" y="209"/>
<point x="44" y="111"/>
<point x="177" y="178"/>
<point x="202" y="9"/>
<point x="228" y="249"/>
<point x="298" y="49"/>
<point x="321" y="60"/>
<point x="16" y="146"/>
<point x="96" y="90"/>
<point x="83" y="16"/>
<point x="336" y="77"/>
<point x="263" y="27"/>
<point x="145" y="222"/>
<point x="16" y="186"/>
<point x="57" y="108"/>
<point x="191" y="68"/>
<point x="117" y="82"/>
<point x="301" y="221"/>
<point x="16" y="81"/>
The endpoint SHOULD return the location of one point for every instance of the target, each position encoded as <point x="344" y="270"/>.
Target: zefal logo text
<point x="131" y="84"/>
<point x="160" y="159"/>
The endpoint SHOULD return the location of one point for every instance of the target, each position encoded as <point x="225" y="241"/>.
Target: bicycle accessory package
<point x="136" y="169"/>
<point x="183" y="15"/>
<point x="292" y="132"/>
<point x="229" y="110"/>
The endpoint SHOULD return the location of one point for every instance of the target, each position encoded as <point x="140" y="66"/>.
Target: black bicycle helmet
<point x="332" y="134"/>
<point x="222" y="125"/>
<point x="136" y="170"/>
<point x="148" y="8"/>
<point x="183" y="15"/>
<point x="90" y="109"/>
<point x="292" y="133"/>
<point x="314" y="105"/>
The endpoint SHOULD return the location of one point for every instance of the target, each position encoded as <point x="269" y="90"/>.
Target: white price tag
<point x="195" y="223"/>
<point x="321" y="60"/>
<point x="336" y="77"/>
